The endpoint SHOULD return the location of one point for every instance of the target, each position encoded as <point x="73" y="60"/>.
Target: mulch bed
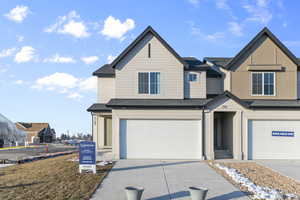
<point x="261" y="176"/>
<point x="55" y="179"/>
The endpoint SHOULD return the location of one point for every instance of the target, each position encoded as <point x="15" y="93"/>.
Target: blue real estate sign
<point x="87" y="156"/>
<point x="283" y="133"/>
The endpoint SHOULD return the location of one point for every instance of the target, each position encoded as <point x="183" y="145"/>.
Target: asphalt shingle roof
<point x="99" y="107"/>
<point x="164" y="103"/>
<point x="105" y="71"/>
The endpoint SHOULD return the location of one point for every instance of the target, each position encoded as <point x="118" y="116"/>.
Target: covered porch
<point x="101" y="126"/>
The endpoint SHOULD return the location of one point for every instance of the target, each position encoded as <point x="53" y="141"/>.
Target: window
<point x="263" y="83"/>
<point x="192" y="77"/>
<point x="149" y="82"/>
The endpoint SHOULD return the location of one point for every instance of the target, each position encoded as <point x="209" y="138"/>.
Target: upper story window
<point x="263" y="83"/>
<point x="192" y="77"/>
<point x="149" y="82"/>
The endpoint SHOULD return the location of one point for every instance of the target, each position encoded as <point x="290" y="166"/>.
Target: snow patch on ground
<point x="258" y="191"/>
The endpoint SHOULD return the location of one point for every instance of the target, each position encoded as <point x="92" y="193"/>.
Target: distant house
<point x="37" y="132"/>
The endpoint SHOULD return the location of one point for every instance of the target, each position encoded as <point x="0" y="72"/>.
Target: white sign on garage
<point x="160" y="139"/>
<point x="273" y="139"/>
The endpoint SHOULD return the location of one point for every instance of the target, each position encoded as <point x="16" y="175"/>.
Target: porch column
<point x="237" y="136"/>
<point x="209" y="135"/>
<point x="98" y="131"/>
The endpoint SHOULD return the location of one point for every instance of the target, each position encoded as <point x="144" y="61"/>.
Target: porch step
<point x="223" y="154"/>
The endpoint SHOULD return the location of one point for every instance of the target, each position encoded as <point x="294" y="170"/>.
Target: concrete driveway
<point x="288" y="168"/>
<point x="165" y="180"/>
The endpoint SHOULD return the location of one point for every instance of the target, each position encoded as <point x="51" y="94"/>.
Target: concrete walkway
<point x="288" y="168"/>
<point x="165" y="180"/>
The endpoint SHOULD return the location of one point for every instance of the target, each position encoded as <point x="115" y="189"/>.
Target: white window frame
<point x="149" y="83"/>
<point x="263" y="88"/>
<point x="195" y="74"/>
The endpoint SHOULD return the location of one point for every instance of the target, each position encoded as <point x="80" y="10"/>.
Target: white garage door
<point x="160" y="139"/>
<point x="274" y="139"/>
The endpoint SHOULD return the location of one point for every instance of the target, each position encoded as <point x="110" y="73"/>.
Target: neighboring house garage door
<point x="274" y="139"/>
<point x="160" y="139"/>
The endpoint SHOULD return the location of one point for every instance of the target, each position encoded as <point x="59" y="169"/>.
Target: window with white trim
<point x="149" y="82"/>
<point x="192" y="77"/>
<point x="263" y="83"/>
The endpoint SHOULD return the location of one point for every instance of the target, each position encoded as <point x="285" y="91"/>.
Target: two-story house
<point x="155" y="104"/>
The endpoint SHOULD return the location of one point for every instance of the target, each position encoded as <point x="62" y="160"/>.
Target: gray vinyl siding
<point x="171" y="71"/>
<point x="214" y="86"/>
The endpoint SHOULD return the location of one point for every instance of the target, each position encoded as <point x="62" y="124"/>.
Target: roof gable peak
<point x="149" y="29"/>
<point x="264" y="31"/>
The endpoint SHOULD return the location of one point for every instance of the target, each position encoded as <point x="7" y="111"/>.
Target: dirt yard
<point x="53" y="179"/>
<point x="261" y="176"/>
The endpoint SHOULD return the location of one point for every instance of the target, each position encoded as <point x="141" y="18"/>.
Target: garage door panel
<point x="262" y="145"/>
<point x="161" y="139"/>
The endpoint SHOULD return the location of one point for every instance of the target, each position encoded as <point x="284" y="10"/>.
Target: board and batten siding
<point x="196" y="89"/>
<point x="265" y="52"/>
<point x="106" y="89"/>
<point x="214" y="85"/>
<point x="161" y="60"/>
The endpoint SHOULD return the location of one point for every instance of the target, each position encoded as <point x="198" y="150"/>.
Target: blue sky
<point x="49" y="49"/>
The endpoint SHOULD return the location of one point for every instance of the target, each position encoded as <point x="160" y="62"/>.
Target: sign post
<point x="87" y="156"/>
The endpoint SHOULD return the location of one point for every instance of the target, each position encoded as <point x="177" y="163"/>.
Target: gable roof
<point x="218" y="61"/>
<point x="228" y="94"/>
<point x="149" y="29"/>
<point x="105" y="71"/>
<point x="264" y="31"/>
<point x="31" y="126"/>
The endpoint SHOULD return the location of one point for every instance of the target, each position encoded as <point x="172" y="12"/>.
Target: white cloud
<point x="59" y="59"/>
<point x="18" y="14"/>
<point x="75" y="95"/>
<point x="114" y="28"/>
<point x="292" y="43"/>
<point x="209" y="37"/>
<point x="222" y="4"/>
<point x="20" y="38"/>
<point x="67" y="84"/>
<point x="194" y="2"/>
<point x="235" y="28"/>
<point x="215" y="36"/>
<point x="19" y="82"/>
<point x="57" y="80"/>
<point x="70" y="24"/>
<point x="262" y="3"/>
<point x="110" y="58"/>
<point x="77" y="29"/>
<point x="259" y="12"/>
<point x="26" y="54"/>
<point x="7" y="52"/>
<point x="89" y="59"/>
<point x="89" y="84"/>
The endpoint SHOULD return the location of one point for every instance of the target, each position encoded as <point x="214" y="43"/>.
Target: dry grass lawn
<point x="53" y="179"/>
<point x="262" y="176"/>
